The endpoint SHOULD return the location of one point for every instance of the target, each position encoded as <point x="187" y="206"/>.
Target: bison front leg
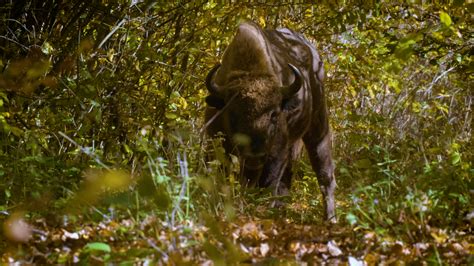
<point x="249" y="177"/>
<point x="321" y="159"/>
<point x="275" y="168"/>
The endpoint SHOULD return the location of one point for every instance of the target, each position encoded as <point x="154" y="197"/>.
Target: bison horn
<point x="295" y="86"/>
<point x="212" y="87"/>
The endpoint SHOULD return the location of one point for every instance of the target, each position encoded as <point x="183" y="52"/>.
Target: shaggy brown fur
<point x="263" y="118"/>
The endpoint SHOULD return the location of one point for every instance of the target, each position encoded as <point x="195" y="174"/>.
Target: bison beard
<point x="267" y="97"/>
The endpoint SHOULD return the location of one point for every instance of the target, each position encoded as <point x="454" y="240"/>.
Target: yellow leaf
<point x="261" y="19"/>
<point x="371" y="92"/>
<point x="416" y="107"/>
<point x="116" y="179"/>
<point x="440" y="236"/>
<point x="395" y="85"/>
<point x="183" y="103"/>
<point x="445" y="18"/>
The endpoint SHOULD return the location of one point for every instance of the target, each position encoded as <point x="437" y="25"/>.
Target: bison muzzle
<point x="267" y="97"/>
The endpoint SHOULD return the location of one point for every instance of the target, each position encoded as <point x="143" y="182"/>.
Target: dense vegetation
<point x="102" y="157"/>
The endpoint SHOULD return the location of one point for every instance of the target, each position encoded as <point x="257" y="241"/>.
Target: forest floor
<point x="273" y="237"/>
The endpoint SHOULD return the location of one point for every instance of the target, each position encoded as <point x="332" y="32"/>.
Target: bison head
<point x="254" y="108"/>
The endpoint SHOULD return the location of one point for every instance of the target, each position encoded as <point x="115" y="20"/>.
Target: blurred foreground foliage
<point x="101" y="108"/>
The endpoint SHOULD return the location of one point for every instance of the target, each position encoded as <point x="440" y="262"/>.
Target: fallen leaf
<point x="439" y="236"/>
<point x="17" y="229"/>
<point x="67" y="235"/>
<point x="320" y="248"/>
<point x="244" y="248"/>
<point x="251" y="231"/>
<point x="456" y="247"/>
<point x="369" y="236"/>
<point x="334" y="249"/>
<point x="469" y="247"/>
<point x="372" y="258"/>
<point x="355" y="262"/>
<point x="264" y="249"/>
<point x="420" y="248"/>
<point x="397" y="248"/>
<point x="294" y="246"/>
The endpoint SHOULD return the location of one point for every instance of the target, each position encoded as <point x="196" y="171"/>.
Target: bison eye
<point x="274" y="116"/>
<point x="215" y="102"/>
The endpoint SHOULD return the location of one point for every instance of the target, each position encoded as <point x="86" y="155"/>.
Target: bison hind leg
<point x="320" y="156"/>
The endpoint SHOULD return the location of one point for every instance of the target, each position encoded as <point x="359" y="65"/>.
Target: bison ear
<point x="290" y="104"/>
<point x="215" y="102"/>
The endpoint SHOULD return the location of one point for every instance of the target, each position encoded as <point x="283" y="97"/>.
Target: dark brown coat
<point x="267" y="97"/>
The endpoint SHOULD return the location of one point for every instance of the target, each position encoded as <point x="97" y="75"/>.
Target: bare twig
<point x="85" y="150"/>
<point x="113" y="31"/>
<point x="203" y="129"/>
<point x="183" y="167"/>
<point x="436" y="79"/>
<point x="15" y="42"/>
<point x="154" y="246"/>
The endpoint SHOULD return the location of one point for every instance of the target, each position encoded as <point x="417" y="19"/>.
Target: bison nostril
<point x="250" y="145"/>
<point x="258" y="145"/>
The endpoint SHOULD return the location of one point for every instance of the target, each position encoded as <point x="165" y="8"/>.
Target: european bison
<point x="267" y="97"/>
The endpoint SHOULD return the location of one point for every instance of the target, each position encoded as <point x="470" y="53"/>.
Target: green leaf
<point x="427" y="168"/>
<point x="455" y="158"/>
<point x="351" y="218"/>
<point x="97" y="246"/>
<point x="214" y="253"/>
<point x="171" y="116"/>
<point x="405" y="48"/>
<point x="363" y="163"/>
<point x="445" y="18"/>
